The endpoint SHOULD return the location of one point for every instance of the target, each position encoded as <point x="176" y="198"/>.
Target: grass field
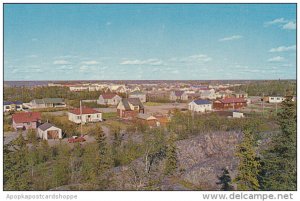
<point x="152" y="104"/>
<point x="109" y="115"/>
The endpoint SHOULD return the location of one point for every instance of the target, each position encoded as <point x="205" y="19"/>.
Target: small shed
<point x="48" y="131"/>
<point x="236" y="114"/>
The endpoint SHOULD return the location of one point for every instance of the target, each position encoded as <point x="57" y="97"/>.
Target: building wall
<point x="30" y="125"/>
<point x="200" y="108"/>
<point x="226" y="106"/>
<point x="276" y="99"/>
<point x="85" y="119"/>
<point x="114" y="101"/>
<point x="127" y="114"/>
<point x="44" y="134"/>
<point x="142" y="97"/>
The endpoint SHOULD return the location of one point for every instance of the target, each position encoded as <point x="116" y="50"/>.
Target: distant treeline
<point x="268" y="88"/>
<point x="26" y="94"/>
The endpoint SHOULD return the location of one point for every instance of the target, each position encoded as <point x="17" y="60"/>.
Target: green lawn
<point x="109" y="115"/>
<point x="152" y="104"/>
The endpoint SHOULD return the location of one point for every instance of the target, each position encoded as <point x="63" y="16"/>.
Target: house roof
<point x="233" y="100"/>
<point x="108" y="95"/>
<point x="12" y="102"/>
<point x="48" y="100"/>
<point x="45" y="126"/>
<point x="84" y="110"/>
<point x="201" y="102"/>
<point x="133" y="101"/>
<point x="178" y="93"/>
<point x="25" y="117"/>
<point x="145" y="116"/>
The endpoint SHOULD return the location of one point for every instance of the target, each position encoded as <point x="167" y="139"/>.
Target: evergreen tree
<point x="171" y="156"/>
<point x="16" y="166"/>
<point x="103" y="160"/>
<point x="279" y="170"/>
<point x="225" y="180"/>
<point x="248" y="169"/>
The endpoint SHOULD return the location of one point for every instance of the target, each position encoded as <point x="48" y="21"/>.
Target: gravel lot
<point x="165" y="107"/>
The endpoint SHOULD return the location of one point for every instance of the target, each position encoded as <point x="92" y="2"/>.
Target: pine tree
<point x="171" y="156"/>
<point x="103" y="160"/>
<point x="248" y="169"/>
<point x="279" y="171"/>
<point x="225" y="180"/>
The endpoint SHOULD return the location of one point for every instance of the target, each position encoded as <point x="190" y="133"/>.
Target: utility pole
<point x="80" y="119"/>
<point x="263" y="100"/>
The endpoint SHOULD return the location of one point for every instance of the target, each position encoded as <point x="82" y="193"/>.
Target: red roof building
<point x="109" y="95"/>
<point x="229" y="103"/>
<point x="26" y="120"/>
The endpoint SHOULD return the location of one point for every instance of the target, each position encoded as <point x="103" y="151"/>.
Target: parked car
<point x="74" y="139"/>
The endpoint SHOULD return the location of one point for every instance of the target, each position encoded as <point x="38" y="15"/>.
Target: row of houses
<point x="220" y="104"/>
<point x="204" y="93"/>
<point x="114" y="99"/>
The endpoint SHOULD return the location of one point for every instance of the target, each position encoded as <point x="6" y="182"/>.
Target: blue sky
<point x="154" y="41"/>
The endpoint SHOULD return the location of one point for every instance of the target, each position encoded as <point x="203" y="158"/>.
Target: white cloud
<point x="61" y="62"/>
<point x="91" y="62"/>
<point x="34" y="39"/>
<point x="276" y="59"/>
<point x="199" y="58"/>
<point x="283" y="48"/>
<point x="108" y="23"/>
<point x="64" y="67"/>
<point x="229" y="38"/>
<point x="276" y="21"/>
<point x="290" y="25"/>
<point x="282" y="23"/>
<point x="32" y="56"/>
<point x="152" y="62"/>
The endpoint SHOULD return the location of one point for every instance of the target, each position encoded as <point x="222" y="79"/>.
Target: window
<point x="278" y="98"/>
<point x="7" y="107"/>
<point x="272" y="98"/>
<point x="78" y="117"/>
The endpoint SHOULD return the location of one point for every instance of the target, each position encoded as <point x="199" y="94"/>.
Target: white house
<point x="276" y="99"/>
<point x="178" y="95"/>
<point x="85" y="115"/>
<point x="109" y="99"/>
<point x="48" y="131"/>
<point x="200" y="106"/>
<point x="208" y="94"/>
<point x="138" y="94"/>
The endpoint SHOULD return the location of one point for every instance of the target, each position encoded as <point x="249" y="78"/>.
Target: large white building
<point x="85" y="115"/>
<point x="200" y="106"/>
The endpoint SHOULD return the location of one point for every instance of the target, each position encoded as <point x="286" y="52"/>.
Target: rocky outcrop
<point x="202" y="158"/>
